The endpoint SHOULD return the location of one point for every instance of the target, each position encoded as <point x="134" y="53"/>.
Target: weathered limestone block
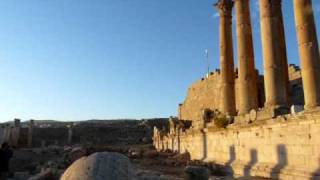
<point x="287" y="149"/>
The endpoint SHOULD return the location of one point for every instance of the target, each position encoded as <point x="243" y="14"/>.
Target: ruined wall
<point x="287" y="147"/>
<point x="296" y="85"/>
<point x="104" y="135"/>
<point x="9" y="134"/>
<point x="205" y="94"/>
<point x="202" y="94"/>
<point x="108" y="132"/>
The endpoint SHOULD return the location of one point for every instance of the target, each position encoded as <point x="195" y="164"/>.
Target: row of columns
<point x="276" y="78"/>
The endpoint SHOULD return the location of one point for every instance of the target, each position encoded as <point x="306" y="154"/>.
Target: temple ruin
<point x="273" y="121"/>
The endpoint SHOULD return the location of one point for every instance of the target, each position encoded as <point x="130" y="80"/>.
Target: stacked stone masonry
<point x="287" y="147"/>
<point x="272" y="120"/>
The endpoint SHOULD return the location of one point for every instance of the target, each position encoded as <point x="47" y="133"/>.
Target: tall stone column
<point x="30" y="133"/>
<point x="7" y="133"/>
<point x="285" y="65"/>
<point x="70" y="133"/>
<point x="2" y="134"/>
<point x="248" y="89"/>
<point x="16" y="132"/>
<point x="274" y="54"/>
<point x="227" y="97"/>
<point x="309" y="52"/>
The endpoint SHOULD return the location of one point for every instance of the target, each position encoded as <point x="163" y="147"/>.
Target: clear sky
<point x="81" y="59"/>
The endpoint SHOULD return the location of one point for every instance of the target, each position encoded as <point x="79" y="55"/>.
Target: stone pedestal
<point x="248" y="90"/>
<point x="274" y="54"/>
<point x="227" y="105"/>
<point x="309" y="52"/>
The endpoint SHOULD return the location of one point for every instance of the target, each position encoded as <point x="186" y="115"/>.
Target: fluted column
<point x="274" y="54"/>
<point x="309" y="51"/>
<point x="248" y="93"/>
<point x="227" y="97"/>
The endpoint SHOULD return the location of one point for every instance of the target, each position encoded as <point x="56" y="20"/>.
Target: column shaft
<point x="227" y="97"/>
<point x="309" y="51"/>
<point x="274" y="53"/>
<point x="30" y="133"/>
<point x="248" y="93"/>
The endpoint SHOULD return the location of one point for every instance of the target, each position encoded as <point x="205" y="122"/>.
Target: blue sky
<point x="80" y="59"/>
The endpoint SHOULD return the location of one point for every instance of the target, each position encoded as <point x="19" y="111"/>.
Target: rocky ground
<point x="51" y="162"/>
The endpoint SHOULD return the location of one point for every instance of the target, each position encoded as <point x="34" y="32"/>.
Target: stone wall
<point x="205" y="94"/>
<point x="296" y="84"/>
<point x="287" y="147"/>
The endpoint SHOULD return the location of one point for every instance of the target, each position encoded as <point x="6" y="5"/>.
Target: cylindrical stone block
<point x="248" y="90"/>
<point x="309" y="52"/>
<point x="273" y="54"/>
<point x="227" y="104"/>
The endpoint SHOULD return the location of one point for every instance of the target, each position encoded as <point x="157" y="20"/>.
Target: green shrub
<point x="221" y="122"/>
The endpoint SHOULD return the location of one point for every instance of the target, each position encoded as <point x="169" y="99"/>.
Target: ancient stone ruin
<point x="35" y="134"/>
<point x="254" y="125"/>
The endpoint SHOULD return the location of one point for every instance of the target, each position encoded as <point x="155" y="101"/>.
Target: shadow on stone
<point x="316" y="173"/>
<point x="253" y="161"/>
<point x="232" y="158"/>
<point x="282" y="161"/>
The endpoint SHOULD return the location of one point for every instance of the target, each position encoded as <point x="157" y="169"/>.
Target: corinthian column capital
<point x="224" y="7"/>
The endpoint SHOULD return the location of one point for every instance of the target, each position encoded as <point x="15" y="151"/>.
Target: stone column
<point x="309" y="52"/>
<point x="70" y="133"/>
<point x="274" y="54"/>
<point x="30" y="133"/>
<point x="16" y="133"/>
<point x="285" y="65"/>
<point x="227" y="104"/>
<point x="7" y="132"/>
<point x="248" y="89"/>
<point x="2" y="134"/>
<point x="179" y="110"/>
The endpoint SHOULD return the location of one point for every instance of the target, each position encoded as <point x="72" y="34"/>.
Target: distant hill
<point x="94" y="122"/>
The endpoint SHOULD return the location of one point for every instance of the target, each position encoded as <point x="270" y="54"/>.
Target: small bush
<point x="221" y="122"/>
